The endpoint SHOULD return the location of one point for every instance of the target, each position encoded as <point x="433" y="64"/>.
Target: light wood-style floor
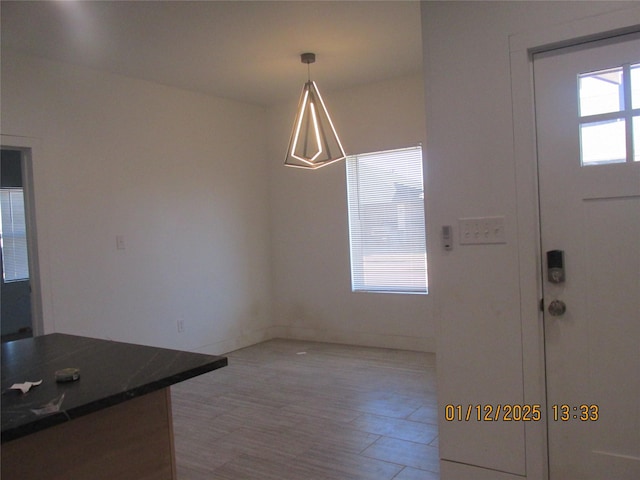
<point x="295" y="410"/>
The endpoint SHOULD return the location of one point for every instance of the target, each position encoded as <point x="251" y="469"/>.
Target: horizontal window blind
<point x="386" y="221"/>
<point x="15" y="261"/>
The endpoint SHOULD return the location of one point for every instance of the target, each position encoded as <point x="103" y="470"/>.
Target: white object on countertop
<point x="24" y="387"/>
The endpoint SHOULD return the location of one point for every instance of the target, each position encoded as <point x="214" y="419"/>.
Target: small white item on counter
<point x="25" y="387"/>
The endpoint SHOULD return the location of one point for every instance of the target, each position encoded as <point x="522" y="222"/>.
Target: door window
<point x="609" y="115"/>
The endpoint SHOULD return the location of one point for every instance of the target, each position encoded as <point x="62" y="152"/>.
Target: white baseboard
<point x="459" y="471"/>
<point x="419" y="344"/>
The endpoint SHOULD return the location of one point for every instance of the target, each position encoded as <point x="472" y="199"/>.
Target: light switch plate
<point x="481" y="230"/>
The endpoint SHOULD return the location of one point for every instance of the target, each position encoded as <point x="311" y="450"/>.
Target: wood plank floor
<point x="296" y="410"/>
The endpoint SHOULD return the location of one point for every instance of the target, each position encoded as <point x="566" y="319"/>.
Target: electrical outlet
<point x="180" y="326"/>
<point x="481" y="230"/>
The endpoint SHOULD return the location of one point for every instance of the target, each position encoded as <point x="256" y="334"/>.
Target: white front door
<point x="588" y="130"/>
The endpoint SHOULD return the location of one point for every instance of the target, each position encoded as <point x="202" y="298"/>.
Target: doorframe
<point x="522" y="47"/>
<point x="29" y="149"/>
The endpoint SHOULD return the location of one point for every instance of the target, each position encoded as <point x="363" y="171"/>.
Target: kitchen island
<point x="115" y="421"/>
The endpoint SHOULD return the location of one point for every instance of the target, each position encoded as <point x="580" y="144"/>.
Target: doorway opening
<point x="16" y="318"/>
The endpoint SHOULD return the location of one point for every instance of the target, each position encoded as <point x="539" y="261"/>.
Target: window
<point x="609" y="102"/>
<point x="385" y="195"/>
<point x="13" y="234"/>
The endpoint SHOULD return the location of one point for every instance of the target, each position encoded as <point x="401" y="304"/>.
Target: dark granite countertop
<point x="110" y="373"/>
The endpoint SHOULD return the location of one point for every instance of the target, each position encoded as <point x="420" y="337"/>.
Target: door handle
<point x="557" y="308"/>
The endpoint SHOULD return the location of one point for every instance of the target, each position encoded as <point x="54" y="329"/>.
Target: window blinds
<point x="386" y="221"/>
<point x="14" y="235"/>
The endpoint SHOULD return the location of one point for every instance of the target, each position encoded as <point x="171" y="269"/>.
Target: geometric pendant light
<point x="314" y="142"/>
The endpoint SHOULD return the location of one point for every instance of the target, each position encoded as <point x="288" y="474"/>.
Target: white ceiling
<point x="244" y="50"/>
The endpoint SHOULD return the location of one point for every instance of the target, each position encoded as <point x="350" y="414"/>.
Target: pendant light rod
<point x="308" y="58"/>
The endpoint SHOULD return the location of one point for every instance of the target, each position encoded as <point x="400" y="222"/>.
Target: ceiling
<point x="243" y="50"/>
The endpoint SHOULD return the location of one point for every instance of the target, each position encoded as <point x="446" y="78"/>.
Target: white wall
<point x="476" y="290"/>
<point x="184" y="179"/>
<point x="310" y="242"/>
<point x="181" y="176"/>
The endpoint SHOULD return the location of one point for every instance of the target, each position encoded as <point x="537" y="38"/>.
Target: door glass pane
<point x="603" y="142"/>
<point x="601" y="92"/>
<point x="635" y="87"/>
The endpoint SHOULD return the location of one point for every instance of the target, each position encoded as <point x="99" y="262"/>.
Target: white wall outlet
<point x="120" y="242"/>
<point x="180" y="326"/>
<point x="481" y="230"/>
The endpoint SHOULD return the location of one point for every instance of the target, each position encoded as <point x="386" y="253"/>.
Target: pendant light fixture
<point x="314" y="142"/>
